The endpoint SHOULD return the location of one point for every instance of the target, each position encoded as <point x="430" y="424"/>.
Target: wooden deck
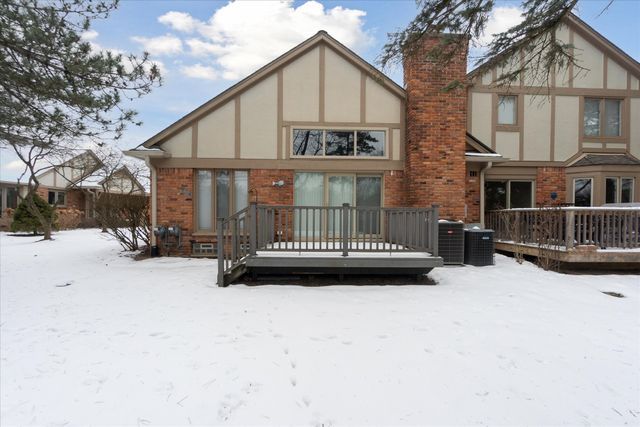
<point x="266" y="239"/>
<point x="601" y="237"/>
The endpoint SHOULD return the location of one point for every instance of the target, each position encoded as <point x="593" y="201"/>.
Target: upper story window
<point x="507" y="110"/>
<point x="602" y="117"/>
<point x="56" y="198"/>
<point x="339" y="143"/>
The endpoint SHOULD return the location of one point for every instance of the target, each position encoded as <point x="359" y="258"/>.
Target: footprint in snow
<point x="294" y="382"/>
<point x="347" y="342"/>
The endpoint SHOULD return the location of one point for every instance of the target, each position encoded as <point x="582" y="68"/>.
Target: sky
<point x="204" y="47"/>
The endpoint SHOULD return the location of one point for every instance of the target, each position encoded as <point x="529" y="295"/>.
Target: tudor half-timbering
<point x="321" y="126"/>
<point x="577" y="135"/>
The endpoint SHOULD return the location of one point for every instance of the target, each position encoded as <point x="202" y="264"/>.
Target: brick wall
<point x="175" y="202"/>
<point x="436" y="128"/>
<point x="472" y="194"/>
<point x="394" y="189"/>
<point x="261" y="186"/>
<point x="548" y="180"/>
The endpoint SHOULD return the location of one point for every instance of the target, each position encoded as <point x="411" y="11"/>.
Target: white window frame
<point x="56" y="197"/>
<point x="573" y="197"/>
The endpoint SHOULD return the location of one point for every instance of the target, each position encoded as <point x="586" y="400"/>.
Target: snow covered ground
<point x="155" y="342"/>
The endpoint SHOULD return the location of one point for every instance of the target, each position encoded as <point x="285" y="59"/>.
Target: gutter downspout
<point x="154" y="199"/>
<point x="482" y="172"/>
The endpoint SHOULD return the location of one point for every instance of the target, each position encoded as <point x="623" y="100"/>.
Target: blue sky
<point x="206" y="46"/>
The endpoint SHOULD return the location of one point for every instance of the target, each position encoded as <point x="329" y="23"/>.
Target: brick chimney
<point x="436" y="130"/>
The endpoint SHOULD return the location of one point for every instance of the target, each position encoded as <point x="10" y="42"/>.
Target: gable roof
<point x="321" y="37"/>
<point x="474" y="145"/>
<point x="585" y="31"/>
<point x="91" y="168"/>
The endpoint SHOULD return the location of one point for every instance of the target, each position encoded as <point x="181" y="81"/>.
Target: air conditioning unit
<point x="478" y="247"/>
<point x="451" y="242"/>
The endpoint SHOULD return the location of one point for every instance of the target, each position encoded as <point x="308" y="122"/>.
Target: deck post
<point x="345" y="229"/>
<point x="253" y="228"/>
<point x="570" y="228"/>
<point x="220" y="244"/>
<point x="434" y="229"/>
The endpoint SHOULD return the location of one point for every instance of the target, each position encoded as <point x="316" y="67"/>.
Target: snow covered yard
<point x="155" y="342"/>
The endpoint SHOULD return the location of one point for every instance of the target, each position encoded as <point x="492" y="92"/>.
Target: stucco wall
<point x="635" y="128"/>
<point x="567" y="124"/>
<point x="216" y="133"/>
<point x="590" y="58"/>
<point x="179" y="145"/>
<point x="481" y="116"/>
<point x="537" y="128"/>
<point x="301" y="88"/>
<point x="341" y="89"/>
<point x="259" y="120"/>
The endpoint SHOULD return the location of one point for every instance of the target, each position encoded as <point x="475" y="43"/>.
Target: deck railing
<point x="345" y="229"/>
<point x="567" y="227"/>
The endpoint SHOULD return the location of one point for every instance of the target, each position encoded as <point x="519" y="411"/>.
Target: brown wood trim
<point x="363" y="97"/>
<point x="321" y="84"/>
<point x="494" y="119"/>
<point x="531" y="163"/>
<point x="605" y="70"/>
<point x="521" y="125"/>
<point x="280" y="111"/>
<point x="354" y="125"/>
<point x="626" y="124"/>
<point x="580" y="123"/>
<point x="389" y="143"/>
<point x="194" y="140"/>
<point x="237" y="127"/>
<point x="522" y="74"/>
<point x="323" y="163"/>
<point x="288" y="148"/>
<point x="573" y="51"/>
<point x="562" y="91"/>
<point x="552" y="130"/>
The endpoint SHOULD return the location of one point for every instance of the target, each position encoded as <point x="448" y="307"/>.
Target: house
<point x="319" y="126"/>
<point x="72" y="186"/>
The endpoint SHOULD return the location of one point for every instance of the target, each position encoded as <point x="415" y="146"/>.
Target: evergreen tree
<point x="24" y="220"/>
<point x="56" y="89"/>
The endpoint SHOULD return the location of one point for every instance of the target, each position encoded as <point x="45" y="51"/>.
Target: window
<point x="508" y="195"/>
<point x="338" y="143"/>
<point x="507" y="110"/>
<point x="319" y="189"/>
<point x="307" y="142"/>
<point x="618" y="190"/>
<point x="582" y="191"/>
<point x="56" y="198"/>
<point x="602" y="117"/>
<point x="222" y="192"/>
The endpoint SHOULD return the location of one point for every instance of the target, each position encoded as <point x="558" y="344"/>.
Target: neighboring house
<point x="74" y="185"/>
<point x="579" y="138"/>
<point x="321" y="126"/>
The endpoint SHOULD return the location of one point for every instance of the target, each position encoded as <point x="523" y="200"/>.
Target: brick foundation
<point x="175" y="202"/>
<point x="548" y="180"/>
<point x="436" y="131"/>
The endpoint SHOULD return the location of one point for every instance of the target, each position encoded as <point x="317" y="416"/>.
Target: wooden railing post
<point x="253" y="228"/>
<point x="570" y="228"/>
<point x="220" y="243"/>
<point x="434" y="229"/>
<point x="345" y="229"/>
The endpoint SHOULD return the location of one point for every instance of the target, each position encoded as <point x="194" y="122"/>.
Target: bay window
<point x="339" y="143"/>
<point x="582" y="191"/>
<point x="219" y="194"/>
<point x="618" y="190"/>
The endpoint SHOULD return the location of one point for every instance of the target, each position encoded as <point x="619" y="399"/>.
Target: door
<point x="340" y="191"/>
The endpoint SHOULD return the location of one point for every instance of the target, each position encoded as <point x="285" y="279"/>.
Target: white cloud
<point x="89" y="35"/>
<point x="15" y="165"/>
<point x="161" y="45"/>
<point x="243" y="36"/>
<point x="199" y="71"/>
<point x="179" y="21"/>
<point x="502" y="18"/>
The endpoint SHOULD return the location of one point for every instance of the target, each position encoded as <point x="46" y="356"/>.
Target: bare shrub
<point x="126" y="217"/>
<point x="549" y="229"/>
<point x="69" y="218"/>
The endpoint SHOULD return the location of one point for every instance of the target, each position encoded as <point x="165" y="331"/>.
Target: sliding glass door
<point x="320" y="189"/>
